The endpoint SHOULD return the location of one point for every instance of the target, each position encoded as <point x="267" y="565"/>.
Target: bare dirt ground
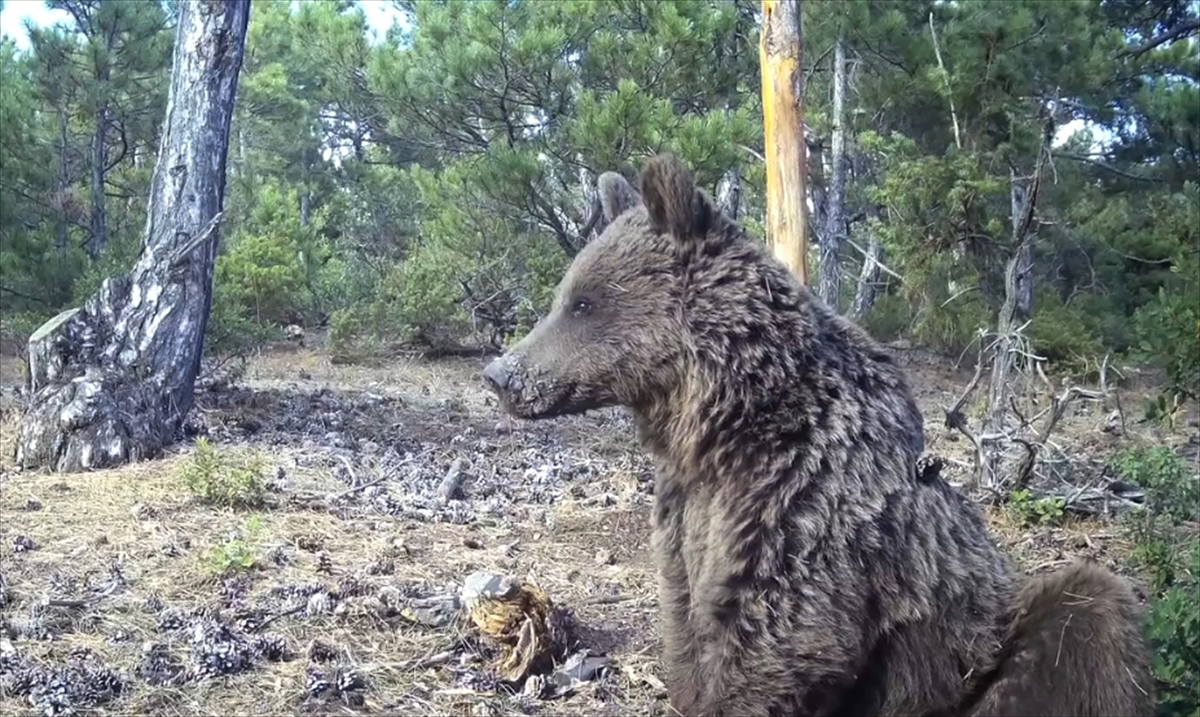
<point x="111" y="599"/>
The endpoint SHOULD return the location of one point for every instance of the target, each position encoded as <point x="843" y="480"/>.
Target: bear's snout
<point x="499" y="372"/>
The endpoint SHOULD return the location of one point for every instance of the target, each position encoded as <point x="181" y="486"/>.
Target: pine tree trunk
<point x="64" y="183"/>
<point x="99" y="236"/>
<point x="832" y="239"/>
<point x="112" y="380"/>
<point x="782" y="89"/>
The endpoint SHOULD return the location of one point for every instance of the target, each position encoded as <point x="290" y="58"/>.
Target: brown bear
<point x="805" y="565"/>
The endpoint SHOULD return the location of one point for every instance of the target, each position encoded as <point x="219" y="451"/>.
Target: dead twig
<point x="605" y="599"/>
<point x="956" y="421"/>
<point x="279" y="616"/>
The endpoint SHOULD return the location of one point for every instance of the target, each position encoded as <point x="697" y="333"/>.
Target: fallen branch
<point x="868" y="256"/>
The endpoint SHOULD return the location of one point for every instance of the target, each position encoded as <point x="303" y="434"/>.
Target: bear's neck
<point x="808" y="402"/>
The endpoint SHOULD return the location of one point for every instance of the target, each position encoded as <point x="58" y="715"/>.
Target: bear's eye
<point x="581" y="307"/>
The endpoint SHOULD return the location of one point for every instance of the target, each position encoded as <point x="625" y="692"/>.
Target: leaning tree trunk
<point x="112" y="380"/>
<point x="868" y="280"/>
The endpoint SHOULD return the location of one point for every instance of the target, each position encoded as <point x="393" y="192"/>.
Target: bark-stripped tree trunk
<point x="868" y="279"/>
<point x="834" y="234"/>
<point x="112" y="380"/>
<point x="729" y="193"/>
<point x="782" y="89"/>
<point x="1011" y="344"/>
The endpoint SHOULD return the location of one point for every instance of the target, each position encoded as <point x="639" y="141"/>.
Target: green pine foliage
<point x="426" y="187"/>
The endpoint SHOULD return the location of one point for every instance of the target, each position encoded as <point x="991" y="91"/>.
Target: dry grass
<point x="141" y="520"/>
<point x="138" y="516"/>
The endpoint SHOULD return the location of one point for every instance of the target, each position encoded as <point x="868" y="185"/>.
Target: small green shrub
<point x="1170" y="556"/>
<point x="1172" y="489"/>
<point x="1162" y="409"/>
<point x="262" y="274"/>
<point x="1168" y="328"/>
<point x="236" y="553"/>
<point x="889" y="318"/>
<point x="1175" y="635"/>
<point x="1158" y="557"/>
<point x="1062" y="333"/>
<point x="428" y="297"/>
<point x="358" y="334"/>
<point x="221" y="481"/>
<point x="230" y="331"/>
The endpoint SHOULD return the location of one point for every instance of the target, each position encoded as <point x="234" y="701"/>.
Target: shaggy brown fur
<point x="1075" y="647"/>
<point x="806" y="566"/>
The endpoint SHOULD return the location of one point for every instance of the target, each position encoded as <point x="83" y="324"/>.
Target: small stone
<point x="32" y="504"/>
<point x="482" y="585"/>
<point x="319" y="604"/>
<point x="604" y="557"/>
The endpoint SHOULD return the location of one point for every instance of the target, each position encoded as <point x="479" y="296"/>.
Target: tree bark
<point x="729" y="193"/>
<point x="103" y="75"/>
<point x="782" y="89"/>
<point x="64" y="184"/>
<point x="834" y="234"/>
<point x="99" y="237"/>
<point x="112" y="380"/>
<point x="868" y="279"/>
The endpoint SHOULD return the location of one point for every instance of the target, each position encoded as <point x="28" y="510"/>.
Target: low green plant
<point x="1163" y="409"/>
<point x="1036" y="511"/>
<point x="1168" y="329"/>
<point x="219" y="480"/>
<point x="236" y="553"/>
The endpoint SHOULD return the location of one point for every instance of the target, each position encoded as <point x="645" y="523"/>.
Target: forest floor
<point x="112" y="594"/>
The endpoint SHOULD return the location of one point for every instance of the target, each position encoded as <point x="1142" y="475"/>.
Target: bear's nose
<point x="499" y="372"/>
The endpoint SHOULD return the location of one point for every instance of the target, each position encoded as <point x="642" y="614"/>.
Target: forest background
<point x="424" y="186"/>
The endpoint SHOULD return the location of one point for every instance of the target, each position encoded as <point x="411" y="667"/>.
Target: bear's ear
<point x="674" y="204"/>
<point x="616" y="195"/>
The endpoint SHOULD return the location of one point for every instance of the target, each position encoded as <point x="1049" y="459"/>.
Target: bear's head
<point x="616" y="333"/>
